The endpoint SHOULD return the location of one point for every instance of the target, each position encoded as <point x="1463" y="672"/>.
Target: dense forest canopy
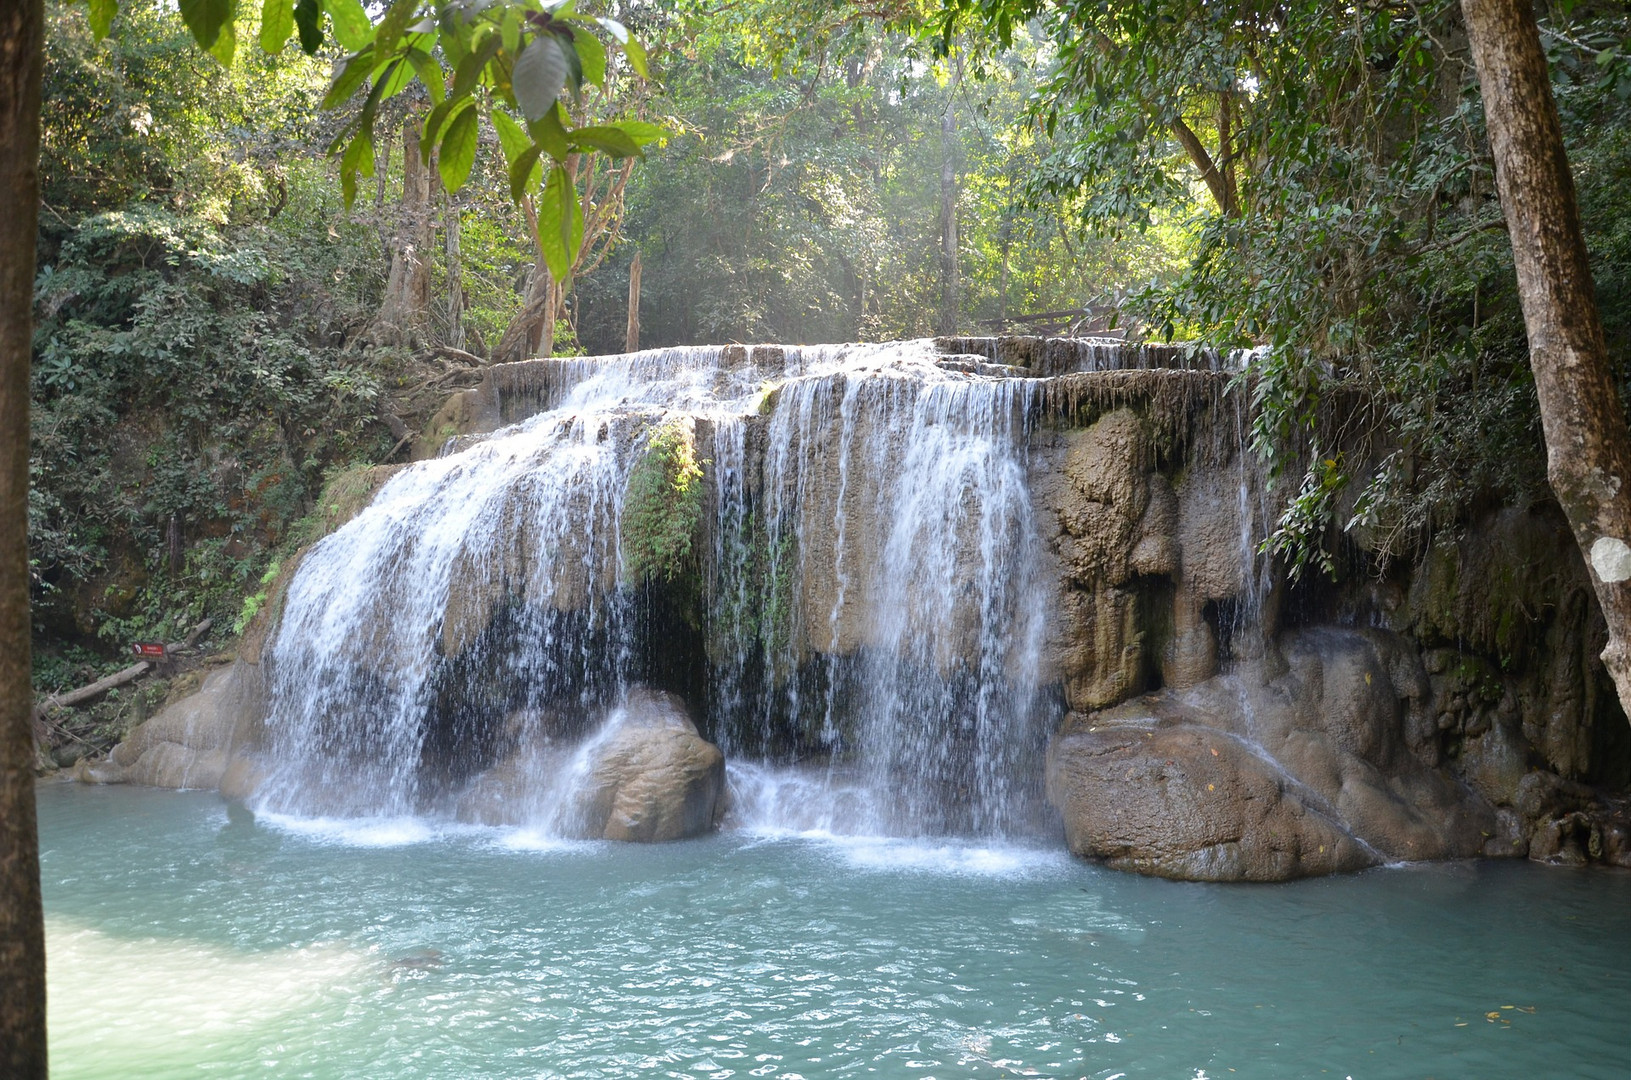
<point x="218" y="332"/>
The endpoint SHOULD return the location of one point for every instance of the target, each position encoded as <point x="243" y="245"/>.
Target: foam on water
<point x="372" y="832"/>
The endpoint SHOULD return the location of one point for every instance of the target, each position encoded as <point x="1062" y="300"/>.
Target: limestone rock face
<point x="189" y="743"/>
<point x="1186" y="801"/>
<point x="1277" y="770"/>
<point x="651" y="776"/>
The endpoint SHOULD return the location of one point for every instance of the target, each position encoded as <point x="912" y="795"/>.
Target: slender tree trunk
<point x="455" y="276"/>
<point x="22" y="926"/>
<point x="631" y="339"/>
<point x="951" y="298"/>
<point x="1588" y="449"/>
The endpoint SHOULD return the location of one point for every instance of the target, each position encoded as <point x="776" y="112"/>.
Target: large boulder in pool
<point x="191" y="742"/>
<point x="650" y="775"/>
<point x="1182" y="800"/>
<point x="645" y="775"/>
<point x="1294" y="764"/>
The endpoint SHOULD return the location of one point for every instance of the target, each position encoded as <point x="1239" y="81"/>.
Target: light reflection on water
<point x="186" y="938"/>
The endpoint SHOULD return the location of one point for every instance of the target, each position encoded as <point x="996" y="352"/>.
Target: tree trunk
<point x="951" y="298"/>
<point x="455" y="276"/>
<point x="22" y="925"/>
<point x="406" y="305"/>
<point x="1588" y="449"/>
<point x="631" y="340"/>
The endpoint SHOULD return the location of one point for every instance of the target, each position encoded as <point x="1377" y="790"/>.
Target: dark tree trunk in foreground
<point x="1588" y="449"/>
<point x="22" y="927"/>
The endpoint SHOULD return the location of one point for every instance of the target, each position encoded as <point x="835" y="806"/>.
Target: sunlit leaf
<point x="351" y="75"/>
<point x="226" y="43"/>
<point x="591" y="56"/>
<point x="429" y="72"/>
<point x="102" y="13"/>
<point x="351" y="26"/>
<point x="613" y="140"/>
<point x="205" y="18"/>
<point x="458" y="152"/>
<point x="277" y="23"/>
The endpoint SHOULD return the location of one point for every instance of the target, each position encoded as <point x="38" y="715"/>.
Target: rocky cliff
<point x="1003" y="584"/>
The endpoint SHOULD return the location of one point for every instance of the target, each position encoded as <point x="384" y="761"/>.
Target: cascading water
<point x="868" y="617"/>
<point x="894" y="527"/>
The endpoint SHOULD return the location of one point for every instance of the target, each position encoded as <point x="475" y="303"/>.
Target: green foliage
<point x="192" y="378"/>
<point x="255" y="601"/>
<point x="1300" y="535"/>
<point x="800" y="198"/>
<point x="1347" y="223"/>
<point x="662" y="508"/>
<point x="502" y="53"/>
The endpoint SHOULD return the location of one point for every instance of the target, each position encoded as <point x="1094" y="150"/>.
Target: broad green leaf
<point x="510" y="30"/>
<point x="308" y="18"/>
<point x="205" y="18"/>
<point x="512" y="137"/>
<point x="458" y="151"/>
<point x="525" y="171"/>
<point x="538" y="76"/>
<point x="359" y="158"/>
<point x="574" y="66"/>
<point x="468" y="73"/>
<point x="612" y="140"/>
<point x="591" y="55"/>
<point x="431" y="131"/>
<point x="351" y="26"/>
<point x="277" y="23"/>
<point x="394" y="25"/>
<point x="619" y="32"/>
<point x="637" y="57"/>
<point x="555" y="222"/>
<point x="402" y="75"/>
<point x="102" y="13"/>
<point x="520" y="153"/>
<point x="643" y="133"/>
<point x="350" y="76"/>
<point x="430" y="73"/>
<point x="226" y="43"/>
<point x="551" y="135"/>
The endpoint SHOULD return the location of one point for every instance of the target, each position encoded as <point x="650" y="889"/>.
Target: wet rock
<point x="1249" y="775"/>
<point x="189" y="742"/>
<point x="1185" y="801"/>
<point x="243" y="776"/>
<point x="651" y="776"/>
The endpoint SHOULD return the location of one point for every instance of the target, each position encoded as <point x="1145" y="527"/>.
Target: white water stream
<point x="872" y="603"/>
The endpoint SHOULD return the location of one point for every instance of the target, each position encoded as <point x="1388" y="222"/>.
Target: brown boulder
<point x="1268" y="772"/>
<point x="651" y="776"/>
<point x="1185" y="801"/>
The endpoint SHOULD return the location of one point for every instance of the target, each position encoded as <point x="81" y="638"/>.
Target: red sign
<point x="149" y="650"/>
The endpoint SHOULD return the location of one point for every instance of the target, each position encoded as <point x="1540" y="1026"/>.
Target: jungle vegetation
<point x="265" y="264"/>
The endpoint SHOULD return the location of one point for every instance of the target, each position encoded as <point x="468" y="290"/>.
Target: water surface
<point x="189" y="938"/>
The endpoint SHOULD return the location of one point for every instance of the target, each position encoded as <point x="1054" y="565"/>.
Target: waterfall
<point x="864" y="640"/>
